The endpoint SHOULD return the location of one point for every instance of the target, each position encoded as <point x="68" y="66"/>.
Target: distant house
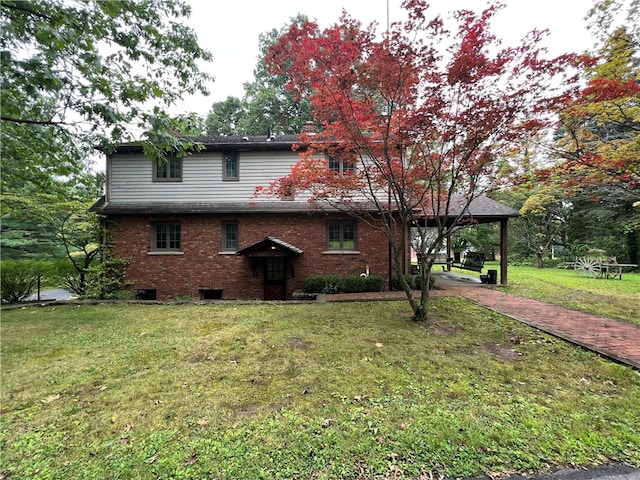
<point x="193" y="226"/>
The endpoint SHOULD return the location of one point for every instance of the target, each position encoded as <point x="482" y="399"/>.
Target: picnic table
<point x="597" y="267"/>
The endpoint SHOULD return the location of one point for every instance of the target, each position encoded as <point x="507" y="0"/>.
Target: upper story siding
<point x="130" y="177"/>
<point x="131" y="187"/>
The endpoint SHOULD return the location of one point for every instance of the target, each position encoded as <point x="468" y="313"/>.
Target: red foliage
<point x="592" y="158"/>
<point x="422" y="120"/>
<point x="607" y="89"/>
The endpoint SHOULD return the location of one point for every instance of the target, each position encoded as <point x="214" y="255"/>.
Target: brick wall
<point x="201" y="265"/>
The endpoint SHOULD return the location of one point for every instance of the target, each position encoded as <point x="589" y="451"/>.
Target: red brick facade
<point x="201" y="264"/>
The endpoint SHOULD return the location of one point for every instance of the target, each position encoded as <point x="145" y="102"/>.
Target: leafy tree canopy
<point x="228" y="117"/>
<point x="267" y="106"/>
<point x="418" y="130"/>
<point x="585" y="198"/>
<point x="600" y="142"/>
<point x="81" y="74"/>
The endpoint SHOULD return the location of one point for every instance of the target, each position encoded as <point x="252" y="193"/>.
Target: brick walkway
<point x="612" y="338"/>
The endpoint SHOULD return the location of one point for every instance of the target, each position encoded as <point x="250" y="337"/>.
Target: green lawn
<point x="613" y="298"/>
<point x="302" y="391"/>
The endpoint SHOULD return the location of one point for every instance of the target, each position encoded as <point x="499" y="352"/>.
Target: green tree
<point x="80" y="74"/>
<point x="272" y="108"/>
<point x="607" y="15"/>
<point x="267" y="106"/>
<point x="64" y="223"/>
<point x="483" y="238"/>
<point x="228" y="117"/>
<point x="76" y="230"/>
<point x="544" y="217"/>
<point x="599" y="144"/>
<point x="601" y="220"/>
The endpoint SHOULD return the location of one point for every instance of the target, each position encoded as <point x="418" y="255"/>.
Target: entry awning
<point x="270" y="247"/>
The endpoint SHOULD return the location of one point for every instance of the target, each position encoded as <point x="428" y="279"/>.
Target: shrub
<point x="375" y="283"/>
<point x="105" y="279"/>
<point x="19" y="278"/>
<point x="357" y="283"/>
<point x="102" y="279"/>
<point x="322" y="283"/>
<point x="354" y="284"/>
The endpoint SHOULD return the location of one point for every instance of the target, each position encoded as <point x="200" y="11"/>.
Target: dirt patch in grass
<point x="198" y="357"/>
<point x="446" y="330"/>
<point x="298" y="342"/>
<point x="503" y="352"/>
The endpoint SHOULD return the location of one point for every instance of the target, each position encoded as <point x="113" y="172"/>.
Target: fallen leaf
<point x="327" y="422"/>
<point x="191" y="461"/>
<point x="50" y="398"/>
<point x="203" y="422"/>
<point x="379" y="345"/>
<point x="124" y="440"/>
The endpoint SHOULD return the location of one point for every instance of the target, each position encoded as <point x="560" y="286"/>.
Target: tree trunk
<point x="418" y="306"/>
<point x="420" y="313"/>
<point x="539" y="257"/>
<point x="632" y="247"/>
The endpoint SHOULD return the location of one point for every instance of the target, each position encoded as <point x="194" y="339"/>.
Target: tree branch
<point x="20" y="6"/>
<point x="30" y="122"/>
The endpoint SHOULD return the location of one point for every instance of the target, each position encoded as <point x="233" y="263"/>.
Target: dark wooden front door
<point x="275" y="278"/>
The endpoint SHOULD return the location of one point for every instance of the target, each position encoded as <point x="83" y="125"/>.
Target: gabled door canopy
<point x="270" y="247"/>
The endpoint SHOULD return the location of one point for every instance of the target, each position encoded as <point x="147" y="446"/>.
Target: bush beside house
<point x="349" y="284"/>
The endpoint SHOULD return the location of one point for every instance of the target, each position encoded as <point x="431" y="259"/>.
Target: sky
<point x="230" y="30"/>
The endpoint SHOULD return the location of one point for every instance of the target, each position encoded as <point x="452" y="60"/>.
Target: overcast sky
<point x="230" y="30"/>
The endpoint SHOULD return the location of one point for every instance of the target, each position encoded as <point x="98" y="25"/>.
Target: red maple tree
<point x="420" y="117"/>
<point x="601" y="126"/>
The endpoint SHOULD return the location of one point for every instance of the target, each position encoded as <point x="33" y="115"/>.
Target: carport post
<point x="503" y="251"/>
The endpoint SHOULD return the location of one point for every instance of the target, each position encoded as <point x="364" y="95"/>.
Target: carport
<point x="480" y="210"/>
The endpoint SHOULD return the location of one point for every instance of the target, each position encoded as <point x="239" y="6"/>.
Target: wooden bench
<point x="471" y="261"/>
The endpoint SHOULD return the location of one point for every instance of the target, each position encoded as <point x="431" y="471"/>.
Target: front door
<point x="275" y="278"/>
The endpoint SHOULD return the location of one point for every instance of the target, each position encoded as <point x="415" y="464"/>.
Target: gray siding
<point x="130" y="178"/>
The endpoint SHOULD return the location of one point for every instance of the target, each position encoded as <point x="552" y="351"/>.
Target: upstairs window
<point x="340" y="166"/>
<point x="341" y="235"/>
<point x="230" y="236"/>
<point x="169" y="171"/>
<point x="230" y="166"/>
<point x="167" y="237"/>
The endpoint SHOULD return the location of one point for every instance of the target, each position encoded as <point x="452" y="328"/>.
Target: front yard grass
<point x="302" y="391"/>
<point x="612" y="298"/>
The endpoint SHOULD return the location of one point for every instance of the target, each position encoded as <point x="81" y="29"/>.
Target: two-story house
<point x="194" y="227"/>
